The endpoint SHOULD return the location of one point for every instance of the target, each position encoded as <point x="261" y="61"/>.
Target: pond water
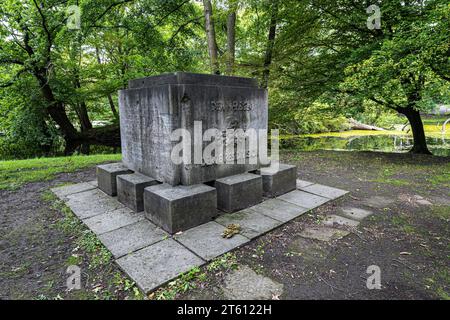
<point x="439" y="146"/>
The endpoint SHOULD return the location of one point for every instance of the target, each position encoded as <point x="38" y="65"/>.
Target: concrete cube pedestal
<point x="180" y="208"/>
<point x="278" y="182"/>
<point x="130" y="190"/>
<point x="107" y="175"/>
<point x="238" y="192"/>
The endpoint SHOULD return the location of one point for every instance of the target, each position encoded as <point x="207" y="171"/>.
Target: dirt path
<point x="407" y="237"/>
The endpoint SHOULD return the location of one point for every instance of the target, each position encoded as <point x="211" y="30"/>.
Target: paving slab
<point x="94" y="183"/>
<point x="91" y="203"/>
<point x="303" y="183"/>
<point x="132" y="237"/>
<point x="323" y="233"/>
<point x="355" y="213"/>
<point x="112" y="220"/>
<point x="303" y="199"/>
<point x="64" y="191"/>
<point x="253" y="224"/>
<point x="333" y="219"/>
<point x="324" y="191"/>
<point x="246" y="284"/>
<point x="159" y="263"/>
<point x="280" y="210"/>
<point x="207" y="242"/>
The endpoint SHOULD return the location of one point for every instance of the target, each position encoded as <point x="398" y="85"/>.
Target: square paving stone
<point x="64" y="191"/>
<point x="303" y="183"/>
<point x="91" y="203"/>
<point x="355" y="213"/>
<point x="238" y="192"/>
<point x="207" y="241"/>
<point x="130" y="190"/>
<point x="325" y="191"/>
<point x="180" y="208"/>
<point x="333" y="219"/>
<point x="280" y="181"/>
<point x="282" y="211"/>
<point x="94" y="183"/>
<point x="252" y="224"/>
<point x="132" y="237"/>
<point x="303" y="199"/>
<point x="107" y="177"/>
<point x="159" y="263"/>
<point x="112" y="220"/>
<point x="323" y="233"/>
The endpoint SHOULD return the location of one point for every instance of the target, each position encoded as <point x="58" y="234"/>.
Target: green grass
<point x="16" y="173"/>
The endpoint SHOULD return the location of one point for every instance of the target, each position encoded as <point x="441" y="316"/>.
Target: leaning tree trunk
<point x="420" y="142"/>
<point x="211" y="37"/>
<point x="270" y="44"/>
<point x="231" y="40"/>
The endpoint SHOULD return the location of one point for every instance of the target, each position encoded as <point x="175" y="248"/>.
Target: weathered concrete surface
<point x="303" y="199"/>
<point x="64" y="191"/>
<point x="157" y="264"/>
<point x="324" y="191"/>
<point x="333" y="219"/>
<point x="180" y="208"/>
<point x="282" y="211"/>
<point x="152" y="108"/>
<point x="278" y="182"/>
<point x="238" y="192"/>
<point x="303" y="183"/>
<point x="130" y="190"/>
<point x="90" y="203"/>
<point x="207" y="241"/>
<point x="107" y="175"/>
<point x="112" y="220"/>
<point x="246" y="284"/>
<point x="355" y="213"/>
<point x="323" y="233"/>
<point x="132" y="237"/>
<point x="252" y="223"/>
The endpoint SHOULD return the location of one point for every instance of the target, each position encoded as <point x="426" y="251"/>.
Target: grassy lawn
<point x="16" y="173"/>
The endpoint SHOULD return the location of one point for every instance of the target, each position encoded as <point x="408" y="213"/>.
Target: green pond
<point x="438" y="145"/>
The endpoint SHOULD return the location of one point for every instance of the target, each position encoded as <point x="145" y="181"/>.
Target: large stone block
<point x="107" y="175"/>
<point x="152" y="108"/>
<point x="130" y="190"/>
<point x="280" y="181"/>
<point x="180" y="208"/>
<point x="238" y="192"/>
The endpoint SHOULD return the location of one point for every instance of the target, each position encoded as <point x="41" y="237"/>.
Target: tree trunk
<point x="231" y="39"/>
<point x="420" y="142"/>
<point x="270" y="44"/>
<point x="83" y="117"/>
<point x="211" y="36"/>
<point x="105" y="136"/>
<point x="82" y="112"/>
<point x="113" y="107"/>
